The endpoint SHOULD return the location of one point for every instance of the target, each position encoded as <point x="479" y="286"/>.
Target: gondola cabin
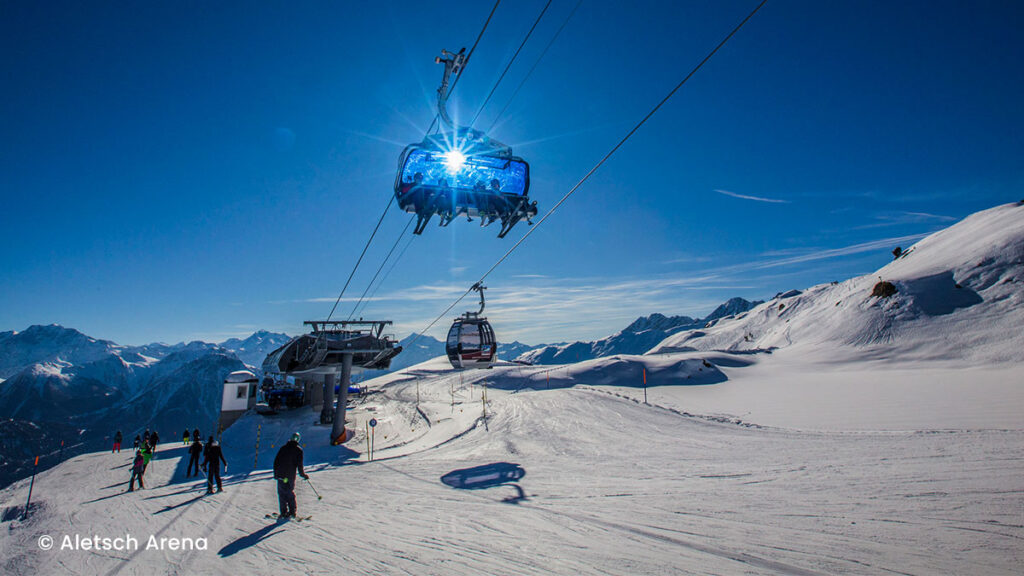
<point x="471" y="343"/>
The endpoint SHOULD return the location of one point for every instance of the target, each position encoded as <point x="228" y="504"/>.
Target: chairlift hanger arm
<point x="453" y="65"/>
<point x="479" y="287"/>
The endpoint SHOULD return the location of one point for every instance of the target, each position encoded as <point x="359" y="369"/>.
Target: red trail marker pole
<point x="645" y="384"/>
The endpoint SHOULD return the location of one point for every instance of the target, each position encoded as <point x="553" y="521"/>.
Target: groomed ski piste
<point x="782" y="441"/>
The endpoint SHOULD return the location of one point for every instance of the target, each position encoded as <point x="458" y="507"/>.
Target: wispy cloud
<point x="755" y="198"/>
<point x="886" y="219"/>
<point x="537" y="308"/>
<point x="830" y="253"/>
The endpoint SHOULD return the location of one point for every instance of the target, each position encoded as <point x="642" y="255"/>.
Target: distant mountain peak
<point x="658" y="321"/>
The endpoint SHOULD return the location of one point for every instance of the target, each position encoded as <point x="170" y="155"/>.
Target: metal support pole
<point x="327" y="412"/>
<point x="338" y="430"/>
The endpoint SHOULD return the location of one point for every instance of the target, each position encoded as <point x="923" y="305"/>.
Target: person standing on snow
<point x="195" y="450"/>
<point x="117" y="442"/>
<point x="138" y="470"/>
<point x="137" y="442"/>
<point x="212" y="465"/>
<point x="195" y="435"/>
<point x="185" y="436"/>
<point x="147" y="454"/>
<point x="287" y="462"/>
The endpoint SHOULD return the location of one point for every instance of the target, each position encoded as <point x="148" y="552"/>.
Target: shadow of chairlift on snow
<point x="488" y="476"/>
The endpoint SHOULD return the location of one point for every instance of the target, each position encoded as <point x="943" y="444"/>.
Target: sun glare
<point x="454" y="161"/>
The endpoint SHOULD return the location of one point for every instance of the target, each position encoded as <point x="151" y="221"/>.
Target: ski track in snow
<point x="613" y="486"/>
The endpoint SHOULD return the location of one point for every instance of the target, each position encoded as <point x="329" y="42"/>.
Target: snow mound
<point x="958" y="295"/>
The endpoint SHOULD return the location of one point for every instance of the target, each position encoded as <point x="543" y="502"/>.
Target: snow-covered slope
<point x="959" y="293"/>
<point x="609" y="485"/>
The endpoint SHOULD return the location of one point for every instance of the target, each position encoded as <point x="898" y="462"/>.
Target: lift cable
<point x="594" y="169"/>
<point x="509" y="65"/>
<point x="436" y="116"/>
<point x="466" y="62"/>
<point x="356" y="267"/>
<point x="383" y="279"/>
<point x="381" y="267"/>
<point x="534" y="67"/>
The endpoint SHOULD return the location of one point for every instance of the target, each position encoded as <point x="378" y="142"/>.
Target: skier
<point x="286" y="463"/>
<point x="212" y="465"/>
<point x="145" y="436"/>
<point x="138" y="470"/>
<point x="137" y="441"/>
<point x="117" y="442"/>
<point x="147" y="454"/>
<point x="154" y="439"/>
<point x="194" y="451"/>
<point x="195" y="435"/>
<point x="185" y="437"/>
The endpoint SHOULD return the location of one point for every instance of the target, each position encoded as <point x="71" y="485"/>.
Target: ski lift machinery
<point x="462" y="172"/>
<point x="471" y="342"/>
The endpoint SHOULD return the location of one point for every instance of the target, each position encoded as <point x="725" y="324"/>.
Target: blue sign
<point x="373" y="422"/>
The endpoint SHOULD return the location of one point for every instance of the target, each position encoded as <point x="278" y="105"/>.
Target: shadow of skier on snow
<point x="248" y="541"/>
<point x="185" y="503"/>
<point x="488" y="476"/>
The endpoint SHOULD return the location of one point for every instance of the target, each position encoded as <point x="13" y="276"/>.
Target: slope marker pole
<point x="31" y="484"/>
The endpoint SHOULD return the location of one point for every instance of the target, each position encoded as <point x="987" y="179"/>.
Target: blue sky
<point x="177" y="171"/>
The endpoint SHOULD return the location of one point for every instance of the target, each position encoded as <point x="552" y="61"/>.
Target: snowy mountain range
<point x="639" y="337"/>
<point x="61" y="385"/>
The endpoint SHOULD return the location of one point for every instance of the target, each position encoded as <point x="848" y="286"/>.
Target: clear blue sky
<point x="172" y="171"/>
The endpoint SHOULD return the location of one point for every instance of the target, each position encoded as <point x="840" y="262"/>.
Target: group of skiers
<point x="145" y="447"/>
<point x="287" y="464"/>
<point x="213" y="457"/>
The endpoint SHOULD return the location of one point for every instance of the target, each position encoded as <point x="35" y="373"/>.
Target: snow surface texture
<point x="612" y="486"/>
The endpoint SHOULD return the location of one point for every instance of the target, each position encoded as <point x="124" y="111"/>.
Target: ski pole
<point x="318" y="496"/>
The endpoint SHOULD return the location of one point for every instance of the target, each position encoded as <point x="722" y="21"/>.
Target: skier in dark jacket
<point x="154" y="439"/>
<point x="195" y="435"/>
<point x="195" y="450"/>
<point x="137" y="442"/>
<point x="185" y="437"/>
<point x="138" y="469"/>
<point x="145" y="436"/>
<point x="117" y="442"/>
<point x="287" y="462"/>
<point x="212" y="465"/>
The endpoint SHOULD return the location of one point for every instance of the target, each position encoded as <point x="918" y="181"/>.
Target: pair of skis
<point x="295" y="518"/>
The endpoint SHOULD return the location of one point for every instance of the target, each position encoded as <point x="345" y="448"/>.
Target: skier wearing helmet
<point x="287" y="463"/>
